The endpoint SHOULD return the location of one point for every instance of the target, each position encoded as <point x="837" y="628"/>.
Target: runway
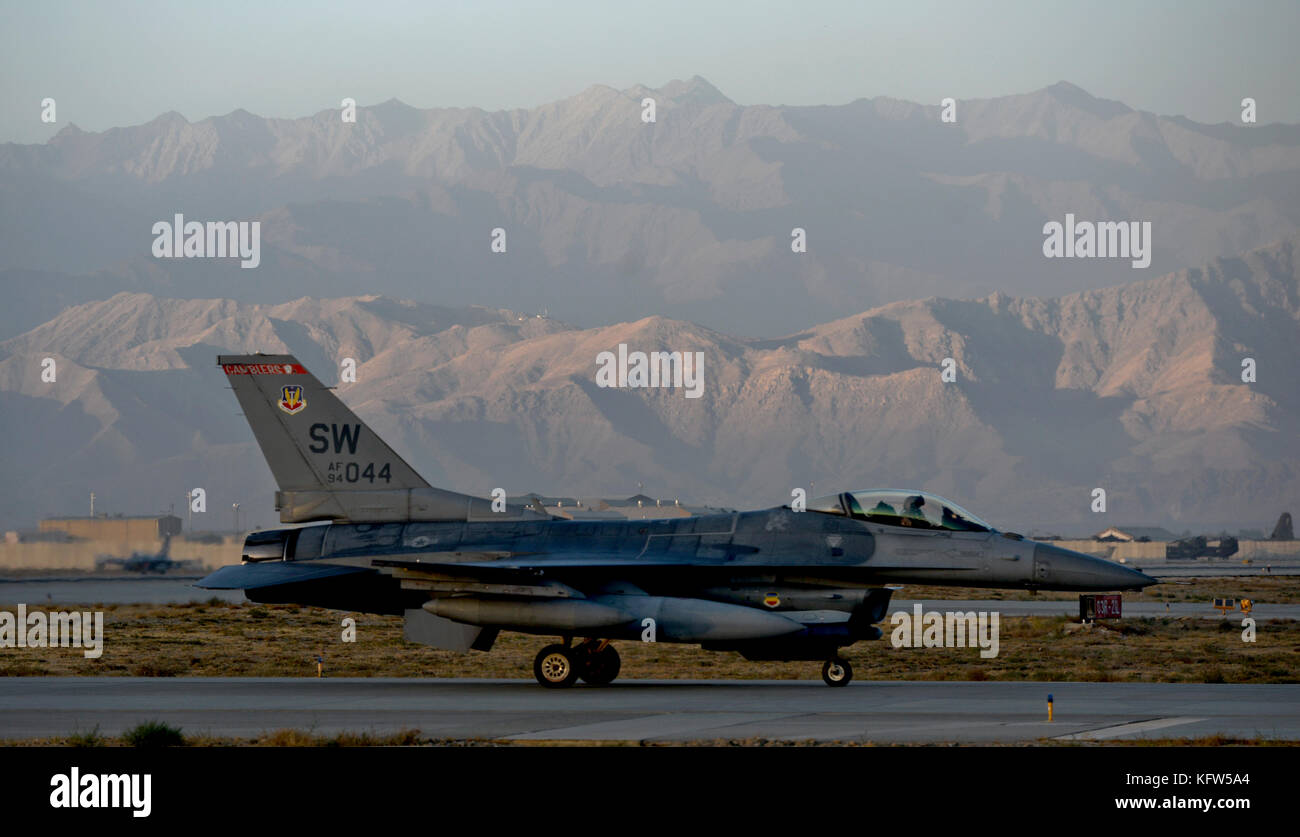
<point x="45" y="592"/>
<point x="114" y="590"/>
<point x="652" y="710"/>
<point x="1132" y="609"/>
<point x="1218" y="569"/>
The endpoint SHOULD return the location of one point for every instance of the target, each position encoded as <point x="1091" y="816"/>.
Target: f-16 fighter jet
<point x="371" y="535"/>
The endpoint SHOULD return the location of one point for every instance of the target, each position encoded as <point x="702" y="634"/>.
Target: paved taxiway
<point x="1217" y="569"/>
<point x="1132" y="609"/>
<point x="126" y="590"/>
<point x="113" y="590"/>
<point x="520" y="710"/>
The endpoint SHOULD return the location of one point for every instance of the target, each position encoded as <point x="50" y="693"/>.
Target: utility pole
<point x="235" y="506"/>
<point x="92" y="505"/>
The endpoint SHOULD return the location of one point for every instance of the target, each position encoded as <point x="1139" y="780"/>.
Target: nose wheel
<point x="837" y="672"/>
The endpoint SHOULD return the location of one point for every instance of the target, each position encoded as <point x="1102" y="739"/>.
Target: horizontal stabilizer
<point x="270" y="574"/>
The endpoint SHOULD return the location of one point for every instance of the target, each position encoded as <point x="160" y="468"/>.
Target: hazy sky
<point x="121" y="63"/>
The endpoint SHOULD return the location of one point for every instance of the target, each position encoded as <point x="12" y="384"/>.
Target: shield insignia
<point x="291" y="400"/>
<point x="772" y="600"/>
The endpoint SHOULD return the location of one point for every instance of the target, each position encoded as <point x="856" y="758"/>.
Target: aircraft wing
<point x="475" y="565"/>
<point x="503" y="567"/>
<point x="465" y="562"/>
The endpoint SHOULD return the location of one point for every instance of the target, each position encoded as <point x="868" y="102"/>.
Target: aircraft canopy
<point x="900" y="507"/>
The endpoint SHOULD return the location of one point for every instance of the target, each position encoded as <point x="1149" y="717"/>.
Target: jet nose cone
<point x="1064" y="569"/>
<point x="1135" y="579"/>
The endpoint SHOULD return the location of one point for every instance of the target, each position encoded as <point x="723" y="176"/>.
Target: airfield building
<point x="1128" y="534"/>
<point x="118" y="528"/>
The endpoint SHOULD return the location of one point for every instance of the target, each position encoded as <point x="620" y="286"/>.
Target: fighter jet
<point x="143" y="562"/>
<point x="777" y="584"/>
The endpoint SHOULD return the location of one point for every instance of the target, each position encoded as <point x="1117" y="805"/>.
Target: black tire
<point x="837" y="672"/>
<point x="555" y="667"/>
<point x="602" y="667"/>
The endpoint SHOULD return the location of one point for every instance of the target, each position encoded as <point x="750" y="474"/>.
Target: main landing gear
<point x="560" y="666"/>
<point x="837" y="672"/>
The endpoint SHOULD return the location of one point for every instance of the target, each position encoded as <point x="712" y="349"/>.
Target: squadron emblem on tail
<point x="291" y="400"/>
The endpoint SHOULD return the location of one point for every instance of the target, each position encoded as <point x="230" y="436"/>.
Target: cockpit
<point x="897" y="507"/>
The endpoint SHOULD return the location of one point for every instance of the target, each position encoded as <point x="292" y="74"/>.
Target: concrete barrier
<point x="1155" y="550"/>
<point x="1118" y="550"/>
<point x="81" y="555"/>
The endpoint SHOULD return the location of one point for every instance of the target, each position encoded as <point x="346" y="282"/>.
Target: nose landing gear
<point x="560" y="666"/>
<point x="837" y="672"/>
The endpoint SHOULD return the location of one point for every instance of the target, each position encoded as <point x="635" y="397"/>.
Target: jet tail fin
<point x="327" y="463"/>
<point x="309" y="437"/>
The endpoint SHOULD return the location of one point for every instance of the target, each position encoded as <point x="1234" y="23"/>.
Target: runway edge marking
<point x="1127" y="729"/>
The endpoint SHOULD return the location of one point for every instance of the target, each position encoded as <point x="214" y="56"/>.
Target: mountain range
<point x="1136" y="389"/>
<point x="610" y="218"/>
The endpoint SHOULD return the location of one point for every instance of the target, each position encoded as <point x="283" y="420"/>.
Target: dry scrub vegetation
<point x="248" y="640"/>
